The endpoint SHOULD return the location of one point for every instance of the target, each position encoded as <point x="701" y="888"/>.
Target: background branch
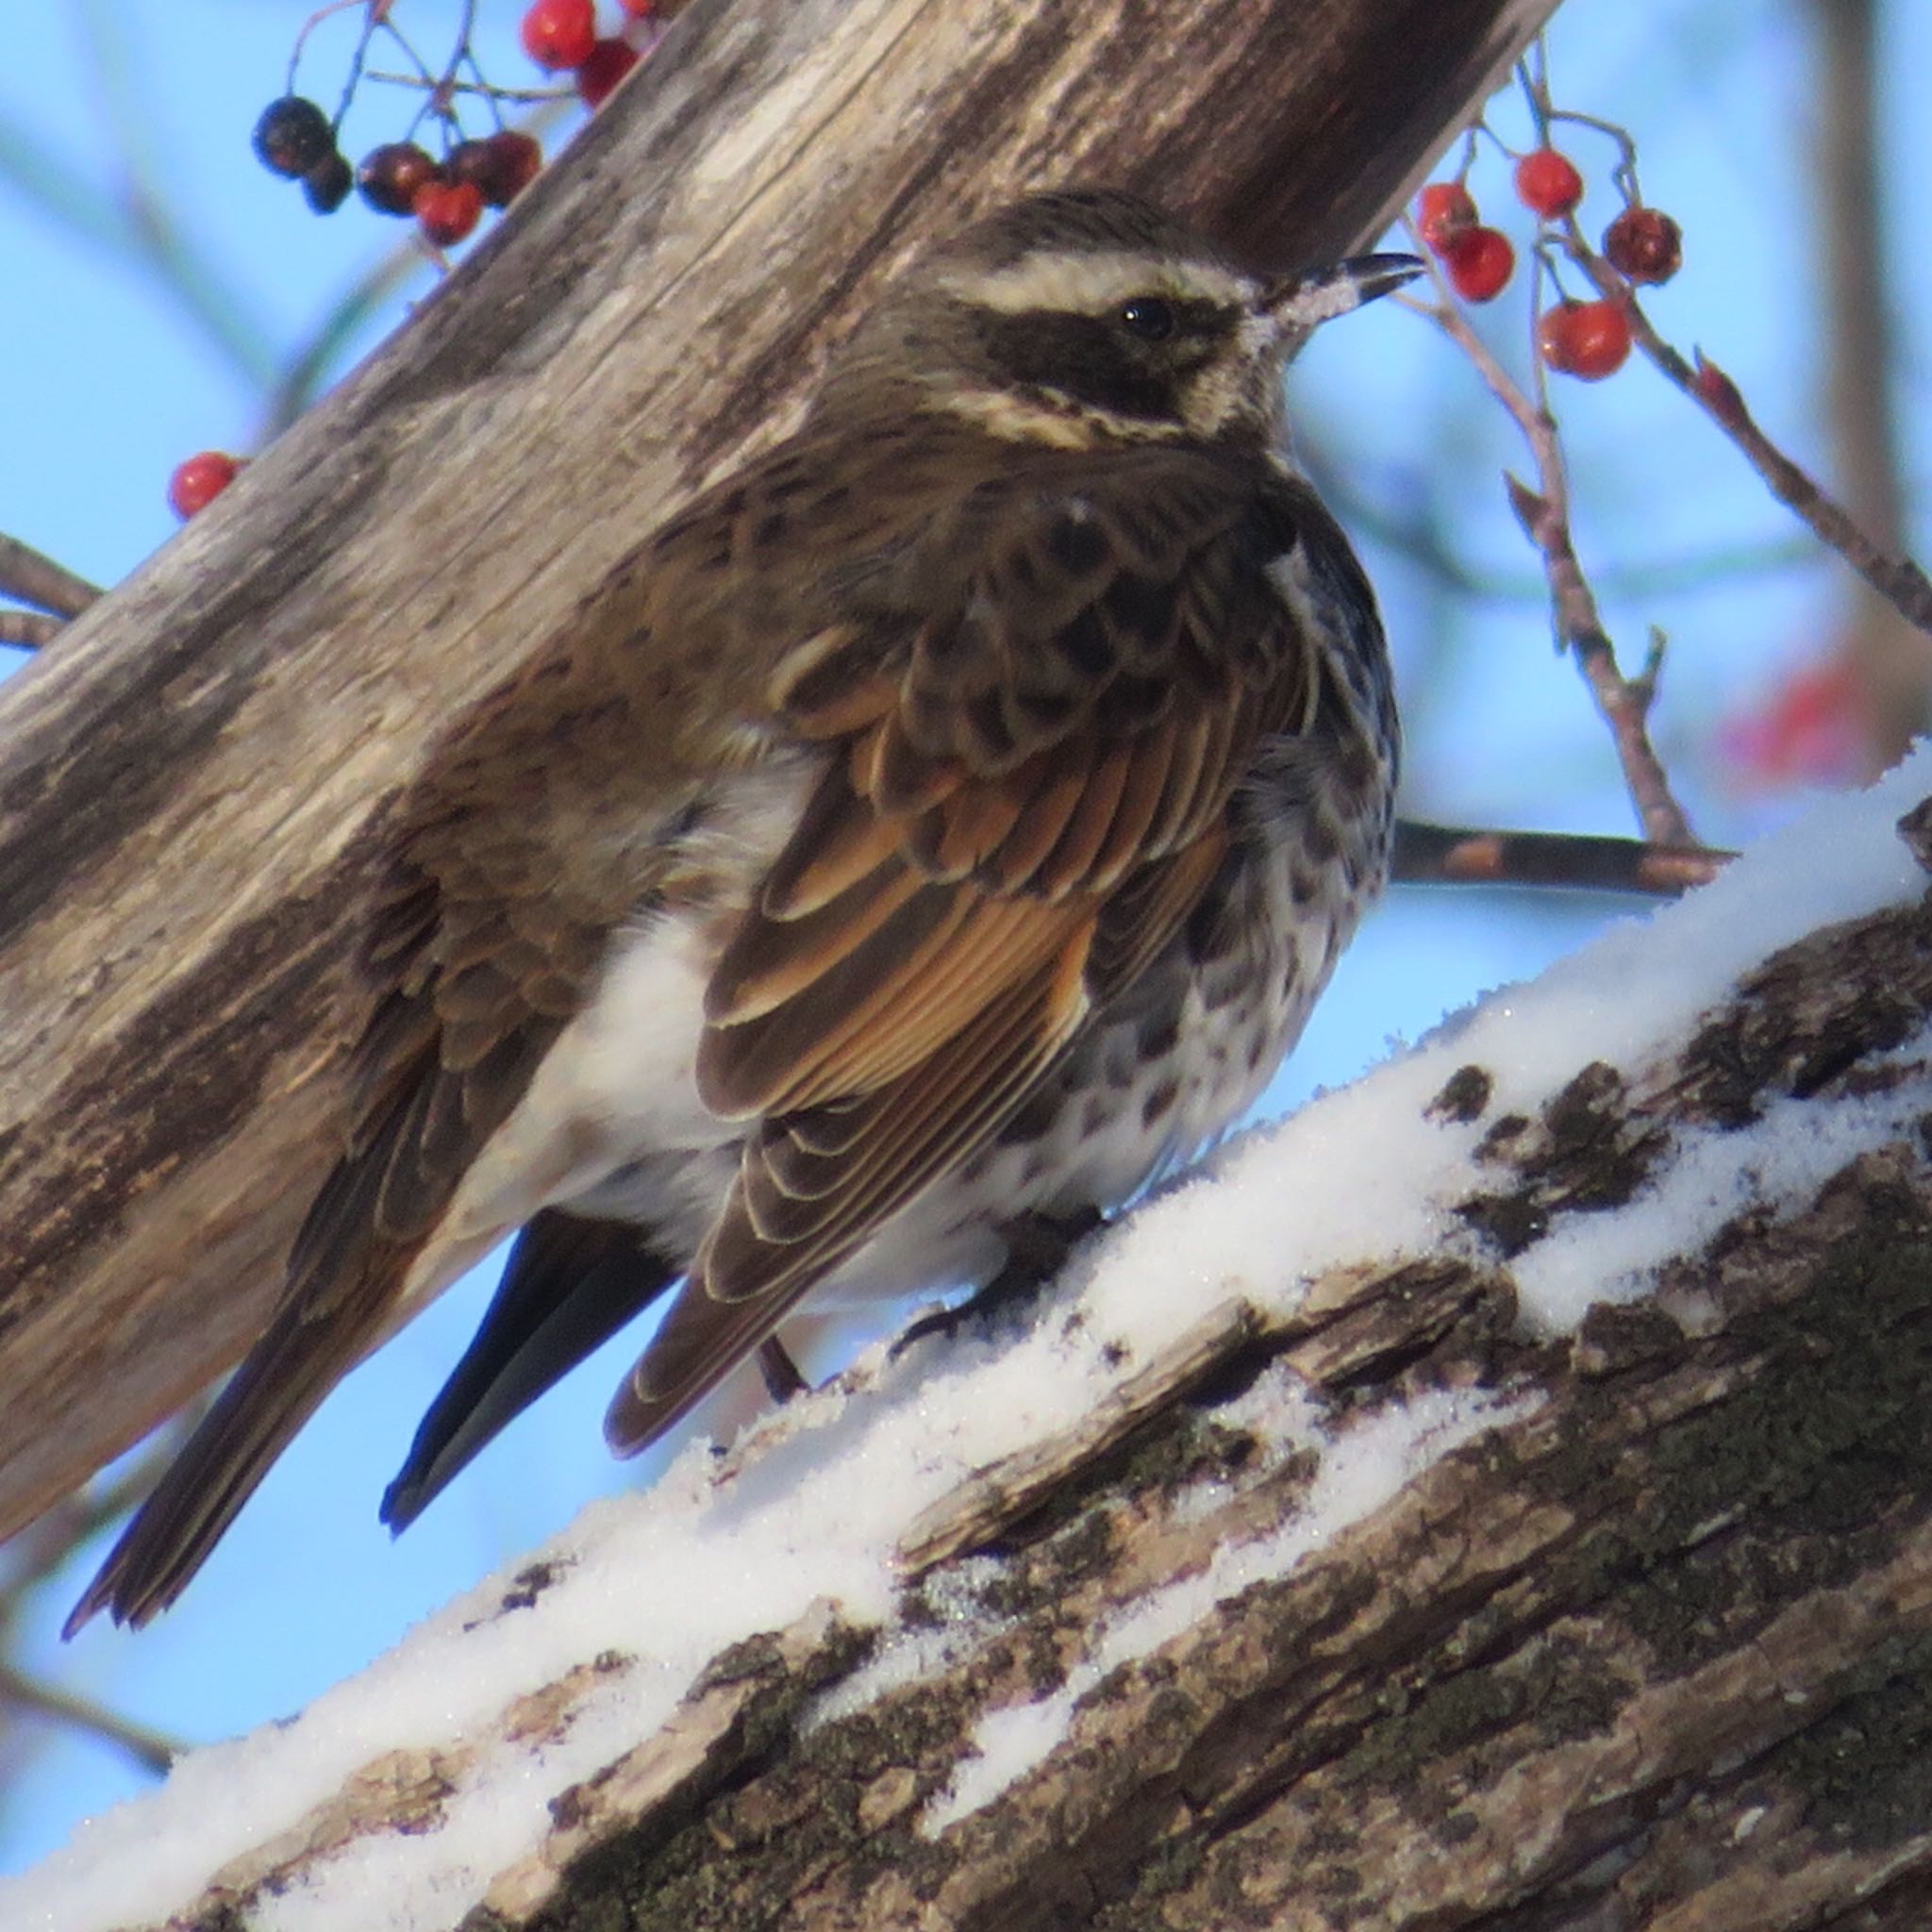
<point x="37" y="579"/>
<point x="1428" y="855"/>
<point x="1894" y="578"/>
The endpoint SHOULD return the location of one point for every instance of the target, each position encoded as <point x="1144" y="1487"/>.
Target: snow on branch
<point x="1503" y="1480"/>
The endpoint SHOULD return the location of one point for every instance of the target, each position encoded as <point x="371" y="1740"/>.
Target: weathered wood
<point x="1651" y="1653"/>
<point x="189" y="775"/>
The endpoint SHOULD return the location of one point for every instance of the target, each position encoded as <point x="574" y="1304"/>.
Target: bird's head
<point x="1084" y="316"/>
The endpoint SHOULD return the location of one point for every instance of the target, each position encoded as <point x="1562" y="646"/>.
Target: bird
<point x="935" y="830"/>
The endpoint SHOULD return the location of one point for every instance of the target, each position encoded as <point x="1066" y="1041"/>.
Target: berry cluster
<point x="560" y="36"/>
<point x="296" y="139"/>
<point x="1587" y="339"/>
<point x="446" y="197"/>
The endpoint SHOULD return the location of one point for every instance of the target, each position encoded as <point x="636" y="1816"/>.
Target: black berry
<point x="326" y="184"/>
<point x="292" y="136"/>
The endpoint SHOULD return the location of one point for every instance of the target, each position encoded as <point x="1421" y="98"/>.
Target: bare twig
<point x="25" y="574"/>
<point x="1430" y="855"/>
<point x="1545" y="513"/>
<point x="484" y="90"/>
<point x="1399" y="520"/>
<point x="29" y="631"/>
<point x="153" y="1750"/>
<point x="1897" y="579"/>
<point x="30" y="1557"/>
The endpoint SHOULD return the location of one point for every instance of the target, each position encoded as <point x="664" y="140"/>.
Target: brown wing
<point x="1030" y="793"/>
<point x="546" y="817"/>
<point x="484" y="943"/>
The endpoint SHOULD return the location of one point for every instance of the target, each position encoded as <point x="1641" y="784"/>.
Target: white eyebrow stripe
<point x="1091" y="284"/>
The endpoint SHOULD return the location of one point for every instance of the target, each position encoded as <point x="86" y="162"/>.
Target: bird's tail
<point x="278" y="1388"/>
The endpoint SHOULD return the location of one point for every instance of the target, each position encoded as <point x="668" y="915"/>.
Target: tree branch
<point x="1427" y="855"/>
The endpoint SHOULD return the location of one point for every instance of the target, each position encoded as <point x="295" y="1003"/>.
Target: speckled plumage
<point x="948" y="819"/>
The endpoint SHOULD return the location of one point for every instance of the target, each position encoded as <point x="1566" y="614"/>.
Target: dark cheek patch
<point x="1085" y="358"/>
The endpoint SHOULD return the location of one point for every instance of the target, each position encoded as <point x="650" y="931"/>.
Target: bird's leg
<point x="782" y="1377"/>
<point x="1037" y="1249"/>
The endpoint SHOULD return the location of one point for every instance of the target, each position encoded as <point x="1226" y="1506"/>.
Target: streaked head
<point x="1087" y="315"/>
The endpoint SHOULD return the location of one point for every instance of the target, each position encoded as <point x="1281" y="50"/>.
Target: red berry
<point x="391" y="176"/>
<point x="1810" y="730"/>
<point x="468" y="161"/>
<point x="196" y="483"/>
<point x="608" y="62"/>
<point x="292" y="136"/>
<point x="1480" y="262"/>
<point x="559" y="33"/>
<point x="638" y="9"/>
<point x="1547" y="183"/>
<point x="1588" y="340"/>
<point x="447" y="210"/>
<point x="1444" y="209"/>
<point x="518" y="161"/>
<point x="1646" y="245"/>
<point x="502" y="167"/>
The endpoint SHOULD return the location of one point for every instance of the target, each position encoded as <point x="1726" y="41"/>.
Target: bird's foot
<point x="783" y="1377"/>
<point x="1037" y="1249"/>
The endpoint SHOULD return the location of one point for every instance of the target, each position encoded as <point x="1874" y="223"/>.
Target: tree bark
<point x="191" y="775"/>
<point x="1653" y="1649"/>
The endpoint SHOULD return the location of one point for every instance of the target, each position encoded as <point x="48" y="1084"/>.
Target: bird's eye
<point x="1149" y="317"/>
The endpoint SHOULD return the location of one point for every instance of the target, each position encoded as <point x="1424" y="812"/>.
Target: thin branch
<point x="29" y="631"/>
<point x="522" y="96"/>
<point x="1545" y="513"/>
<point x="153" y="1750"/>
<point x="1897" y="579"/>
<point x="1431" y="855"/>
<point x="1888" y="658"/>
<point x="1394" y="519"/>
<point x="34" y="578"/>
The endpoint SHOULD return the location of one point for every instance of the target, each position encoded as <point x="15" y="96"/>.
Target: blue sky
<point x="110" y="380"/>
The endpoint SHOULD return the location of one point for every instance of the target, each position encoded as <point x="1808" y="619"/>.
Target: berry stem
<point x="308" y="28"/>
<point x="1896" y="578"/>
<point x="1533" y="74"/>
<point x="357" y="60"/>
<point x="1545" y="514"/>
<point x="486" y="91"/>
<point x="1624" y="173"/>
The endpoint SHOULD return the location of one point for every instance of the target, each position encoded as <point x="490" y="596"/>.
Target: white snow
<point x="719" y="1552"/>
<point x="1711" y="1179"/>
<point x="1361" y="1469"/>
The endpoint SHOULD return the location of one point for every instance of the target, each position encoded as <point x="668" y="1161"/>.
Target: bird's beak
<point x="1305" y="302"/>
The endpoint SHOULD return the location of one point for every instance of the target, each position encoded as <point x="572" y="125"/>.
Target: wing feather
<point x="850" y="1181"/>
<point x="1050" y="784"/>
